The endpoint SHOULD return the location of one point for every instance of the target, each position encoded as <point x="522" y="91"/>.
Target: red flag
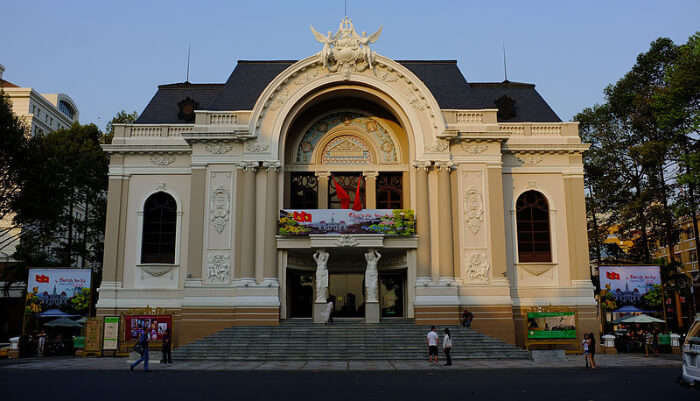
<point x="342" y="195"/>
<point x="357" y="204"/>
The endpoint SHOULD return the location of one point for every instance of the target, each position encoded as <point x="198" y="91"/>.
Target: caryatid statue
<point x="321" y="258"/>
<point x="372" y="275"/>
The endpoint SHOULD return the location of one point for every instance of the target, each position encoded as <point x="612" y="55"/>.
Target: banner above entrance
<point x="398" y="222"/>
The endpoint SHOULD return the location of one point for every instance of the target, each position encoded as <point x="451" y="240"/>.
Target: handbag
<point x="138" y="348"/>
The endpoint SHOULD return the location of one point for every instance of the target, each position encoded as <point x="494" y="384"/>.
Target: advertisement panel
<point x="155" y="326"/>
<point x="551" y="325"/>
<point x="110" y="339"/>
<point x="58" y="292"/>
<point x="628" y="285"/>
<point x="399" y="222"/>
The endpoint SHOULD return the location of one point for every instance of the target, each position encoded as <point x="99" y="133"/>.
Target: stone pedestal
<point x="318" y="310"/>
<point x="372" y="312"/>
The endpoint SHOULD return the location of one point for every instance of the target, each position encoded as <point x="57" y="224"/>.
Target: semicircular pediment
<point x="369" y="133"/>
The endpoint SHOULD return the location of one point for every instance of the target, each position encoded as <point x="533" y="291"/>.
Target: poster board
<point x="92" y="335"/>
<point x="110" y="339"/>
<point x="58" y="292"/>
<point x="551" y="325"/>
<point x="629" y="284"/>
<point x="391" y="222"/>
<point x="155" y="326"/>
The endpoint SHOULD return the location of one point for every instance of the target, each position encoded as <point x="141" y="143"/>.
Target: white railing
<point x="469" y="117"/>
<point x="154" y="130"/>
<point x="532" y="129"/>
<point x="224" y="118"/>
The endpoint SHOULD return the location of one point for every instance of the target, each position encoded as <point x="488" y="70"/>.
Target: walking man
<point x="432" y="339"/>
<point x="167" y="354"/>
<point x="143" y="343"/>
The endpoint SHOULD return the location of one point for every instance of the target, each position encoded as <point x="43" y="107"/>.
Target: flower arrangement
<point x="288" y="226"/>
<point x="401" y="223"/>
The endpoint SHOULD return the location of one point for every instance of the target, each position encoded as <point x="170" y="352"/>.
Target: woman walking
<point x="591" y="349"/>
<point x="585" y="348"/>
<point x="447" y="346"/>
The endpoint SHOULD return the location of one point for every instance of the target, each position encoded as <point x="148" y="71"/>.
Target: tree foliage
<point x="641" y="170"/>
<point x="120" y="118"/>
<point x="13" y="148"/>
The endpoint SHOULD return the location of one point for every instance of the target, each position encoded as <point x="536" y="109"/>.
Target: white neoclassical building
<point x="231" y="204"/>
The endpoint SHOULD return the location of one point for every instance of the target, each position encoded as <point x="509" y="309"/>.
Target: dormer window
<point x="506" y="108"/>
<point x="186" y="110"/>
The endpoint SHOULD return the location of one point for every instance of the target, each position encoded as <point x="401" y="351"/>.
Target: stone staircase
<point x="302" y="340"/>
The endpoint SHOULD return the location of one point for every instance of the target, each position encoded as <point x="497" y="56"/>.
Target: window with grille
<point x="389" y="191"/>
<point x="304" y="189"/>
<point x="159" y="229"/>
<point x="532" y="218"/>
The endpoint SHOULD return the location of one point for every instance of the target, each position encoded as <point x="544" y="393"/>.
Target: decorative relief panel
<point x="219" y="148"/>
<point x="220" y="208"/>
<point x="477" y="267"/>
<point x="382" y="140"/>
<point x="162" y="159"/>
<point x="346" y="149"/>
<point x="439" y="145"/>
<point x="218" y="268"/>
<point x="473" y="209"/>
<point x="530" y="159"/>
<point x="474" y="148"/>
<point x="257" y="147"/>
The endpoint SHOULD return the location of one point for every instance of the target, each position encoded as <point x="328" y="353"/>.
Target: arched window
<point x="532" y="218"/>
<point x="159" y="229"/>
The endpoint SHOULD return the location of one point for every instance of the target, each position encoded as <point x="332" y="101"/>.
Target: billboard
<point x="399" y="222"/>
<point x="628" y="285"/>
<point x="58" y="292"/>
<point x="551" y="325"/>
<point x="155" y="326"/>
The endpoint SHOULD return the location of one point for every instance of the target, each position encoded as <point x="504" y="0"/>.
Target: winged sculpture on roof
<point x="346" y="50"/>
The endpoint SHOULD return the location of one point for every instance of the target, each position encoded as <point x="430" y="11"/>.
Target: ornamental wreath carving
<point x="218" y="268"/>
<point x="478" y="267"/>
<point x="162" y="160"/>
<point x="220" y="208"/>
<point x="473" y="209"/>
<point x="218" y="148"/>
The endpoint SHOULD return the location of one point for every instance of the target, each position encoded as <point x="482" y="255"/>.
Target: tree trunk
<point x="69" y="248"/>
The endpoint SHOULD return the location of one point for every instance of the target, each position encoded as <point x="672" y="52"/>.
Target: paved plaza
<point x="572" y="361"/>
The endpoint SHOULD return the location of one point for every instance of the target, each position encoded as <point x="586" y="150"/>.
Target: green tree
<point x="68" y="173"/>
<point x="120" y="118"/>
<point x="13" y="147"/>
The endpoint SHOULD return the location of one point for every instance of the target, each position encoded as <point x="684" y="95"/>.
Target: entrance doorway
<point x="391" y="293"/>
<point x="348" y="289"/>
<point x="300" y="293"/>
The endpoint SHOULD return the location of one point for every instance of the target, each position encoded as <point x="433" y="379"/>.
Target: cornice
<point x="147" y="149"/>
<point x="546" y="148"/>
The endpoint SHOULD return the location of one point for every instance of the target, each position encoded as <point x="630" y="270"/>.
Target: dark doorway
<point x="301" y="293"/>
<point x="391" y="293"/>
<point x="348" y="290"/>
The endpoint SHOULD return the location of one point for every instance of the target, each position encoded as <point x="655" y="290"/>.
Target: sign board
<point x="400" y="222"/>
<point x="545" y="325"/>
<point x="58" y="292"/>
<point x="629" y="284"/>
<point x="110" y="338"/>
<point x="155" y="326"/>
<point x="92" y="335"/>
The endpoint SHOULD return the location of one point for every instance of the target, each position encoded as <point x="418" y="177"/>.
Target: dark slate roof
<point x="442" y="77"/>
<point x="163" y="108"/>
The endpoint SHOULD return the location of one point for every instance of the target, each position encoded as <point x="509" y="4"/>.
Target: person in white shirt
<point x="432" y="339"/>
<point x="447" y="346"/>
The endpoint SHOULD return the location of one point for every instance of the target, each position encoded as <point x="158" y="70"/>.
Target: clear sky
<point x="110" y="55"/>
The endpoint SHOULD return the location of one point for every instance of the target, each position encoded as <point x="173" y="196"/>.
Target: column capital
<point x="422" y="164"/>
<point x="320" y="174"/>
<point x="248" y="166"/>
<point x="444" y="166"/>
<point x="370" y="174"/>
<point x="272" y="166"/>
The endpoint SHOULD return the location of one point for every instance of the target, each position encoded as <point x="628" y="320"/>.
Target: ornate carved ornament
<point x="477" y="267"/>
<point x="473" y="209"/>
<point x="530" y="159"/>
<point x="346" y="51"/>
<point x="162" y="159"/>
<point x="257" y="147"/>
<point x="474" y="148"/>
<point x="218" y="148"/>
<point x="218" y="268"/>
<point x="439" y="146"/>
<point x="347" y="241"/>
<point x="220" y="208"/>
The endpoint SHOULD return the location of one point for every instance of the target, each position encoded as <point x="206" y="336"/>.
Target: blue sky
<point x="111" y="55"/>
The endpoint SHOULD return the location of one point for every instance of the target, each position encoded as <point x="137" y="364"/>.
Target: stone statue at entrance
<point x="372" y="275"/>
<point x="321" y="257"/>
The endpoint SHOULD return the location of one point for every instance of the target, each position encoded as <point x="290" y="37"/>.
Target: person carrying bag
<point x="447" y="347"/>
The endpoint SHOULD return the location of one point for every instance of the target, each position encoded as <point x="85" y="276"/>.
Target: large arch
<point x="404" y="94"/>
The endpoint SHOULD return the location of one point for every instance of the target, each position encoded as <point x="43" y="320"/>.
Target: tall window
<point x="349" y="183"/>
<point x="159" y="229"/>
<point x="304" y="191"/>
<point x="389" y="190"/>
<point x="532" y="217"/>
